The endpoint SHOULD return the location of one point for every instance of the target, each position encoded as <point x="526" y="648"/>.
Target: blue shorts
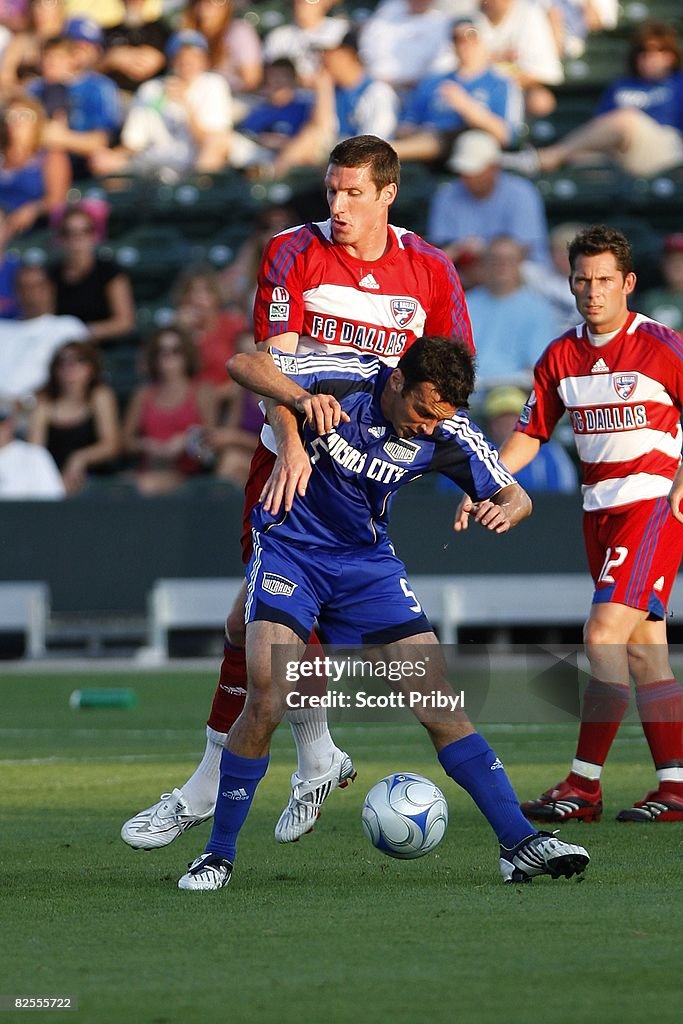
<point x="359" y="597"/>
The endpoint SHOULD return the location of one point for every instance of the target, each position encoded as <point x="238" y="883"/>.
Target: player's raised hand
<point x="289" y="477"/>
<point x="323" y="412"/>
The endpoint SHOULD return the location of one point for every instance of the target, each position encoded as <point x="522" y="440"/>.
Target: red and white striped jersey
<point x="624" y="401"/>
<point x="335" y="302"/>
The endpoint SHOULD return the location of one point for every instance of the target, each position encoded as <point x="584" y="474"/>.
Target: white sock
<point x="670" y="774"/>
<point x="201" y="789"/>
<point x="314" y="745"/>
<point x="587" y="769"/>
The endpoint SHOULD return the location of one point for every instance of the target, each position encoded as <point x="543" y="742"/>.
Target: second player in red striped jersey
<point x="620" y="377"/>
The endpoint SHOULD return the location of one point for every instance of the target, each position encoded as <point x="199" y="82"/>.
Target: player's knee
<point x="234" y="627"/>
<point x="596" y="634"/>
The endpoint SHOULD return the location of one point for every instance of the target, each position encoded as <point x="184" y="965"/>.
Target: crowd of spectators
<point x="162" y="89"/>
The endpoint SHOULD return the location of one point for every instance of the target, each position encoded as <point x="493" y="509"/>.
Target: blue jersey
<point x="663" y="100"/>
<point x="359" y="466"/>
<point x="426" y="107"/>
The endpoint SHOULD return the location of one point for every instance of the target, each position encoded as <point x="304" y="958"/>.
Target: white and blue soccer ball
<point x="405" y="815"/>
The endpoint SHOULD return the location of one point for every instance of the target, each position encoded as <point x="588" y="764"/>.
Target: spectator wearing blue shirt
<point x="475" y="96"/>
<point x="484" y="201"/>
<point x="349" y="101"/>
<point x="510" y="323"/>
<point x="283" y="109"/>
<point x="83" y="106"/>
<point x="639" y="122"/>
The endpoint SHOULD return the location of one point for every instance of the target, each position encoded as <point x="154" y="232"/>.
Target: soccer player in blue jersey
<point x="368" y="430"/>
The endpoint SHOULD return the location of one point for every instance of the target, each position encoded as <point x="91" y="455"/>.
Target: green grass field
<point x="326" y="929"/>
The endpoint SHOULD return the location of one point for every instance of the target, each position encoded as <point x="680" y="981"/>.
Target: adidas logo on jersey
<point x="600" y="366"/>
<point x="496" y="764"/>
<point x="368" y="282"/>
<point x="377" y="431"/>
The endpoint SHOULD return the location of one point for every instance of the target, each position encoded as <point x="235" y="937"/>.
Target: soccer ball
<point x="405" y="815"/>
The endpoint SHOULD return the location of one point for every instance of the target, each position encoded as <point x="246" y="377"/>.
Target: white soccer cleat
<point x="206" y="873"/>
<point x="542" y="854"/>
<point x="308" y="796"/>
<point x="161" y="823"/>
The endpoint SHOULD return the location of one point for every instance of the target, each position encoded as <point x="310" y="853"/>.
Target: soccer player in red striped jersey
<point x="619" y="375"/>
<point x="350" y="284"/>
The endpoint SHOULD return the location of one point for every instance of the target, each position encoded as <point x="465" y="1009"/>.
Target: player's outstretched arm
<point x="676" y="496"/>
<point x="499" y="513"/>
<point x="257" y="372"/>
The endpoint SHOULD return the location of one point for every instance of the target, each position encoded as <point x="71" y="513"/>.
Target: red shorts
<point x="261" y="467"/>
<point x="633" y="556"/>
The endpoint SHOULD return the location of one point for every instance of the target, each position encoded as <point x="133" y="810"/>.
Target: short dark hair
<point x="369" y="151"/>
<point x="445" y="363"/>
<point x="599" y="238"/>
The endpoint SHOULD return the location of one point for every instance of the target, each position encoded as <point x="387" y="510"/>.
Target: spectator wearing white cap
<point x="27" y="471"/>
<point x="483" y="201"/>
<point x="179" y="122"/>
<point x="473" y="96"/>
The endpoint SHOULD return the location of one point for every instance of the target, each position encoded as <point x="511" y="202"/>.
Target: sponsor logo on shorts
<point x="278" y="586"/>
<point x="658" y="584"/>
<point x="278" y="311"/>
<point x="403" y="311"/>
<point x="400" y="450"/>
<point x="234" y="691"/>
<point x="625" y="384"/>
<point x="280" y="295"/>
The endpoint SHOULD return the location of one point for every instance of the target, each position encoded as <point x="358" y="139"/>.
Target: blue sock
<point x="239" y="778"/>
<point x="473" y="765"/>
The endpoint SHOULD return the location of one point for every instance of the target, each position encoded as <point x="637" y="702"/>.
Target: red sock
<point x="604" y="706"/>
<point x="660" y="706"/>
<point x="231" y="691"/>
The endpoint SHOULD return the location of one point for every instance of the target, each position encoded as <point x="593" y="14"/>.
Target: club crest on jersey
<point x="377" y="431"/>
<point x="279" y="586"/>
<point x="403" y="311"/>
<point x="280" y="295"/>
<point x="400" y="450"/>
<point x="625" y="384"/>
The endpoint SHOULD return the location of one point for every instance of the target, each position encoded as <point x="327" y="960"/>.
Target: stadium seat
<point x="659" y="199"/>
<point x="152" y="255"/>
<point x="603" y="61"/>
<point x="573" y="109"/>
<point x="128" y="196"/>
<point x="203" y="203"/>
<point x="577" y="193"/>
